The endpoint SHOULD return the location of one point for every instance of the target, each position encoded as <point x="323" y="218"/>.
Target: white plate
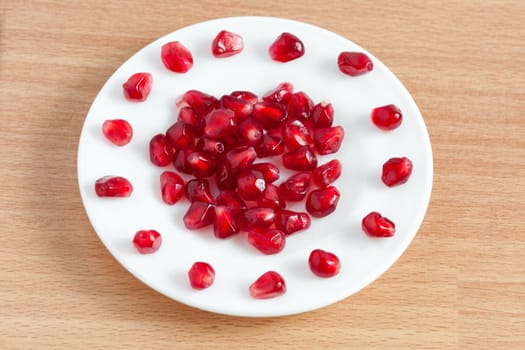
<point x="237" y="265"/>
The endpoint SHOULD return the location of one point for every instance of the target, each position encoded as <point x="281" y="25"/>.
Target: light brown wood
<point x="460" y="285"/>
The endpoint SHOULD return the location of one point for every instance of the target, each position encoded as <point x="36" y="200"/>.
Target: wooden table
<point x="461" y="284"/>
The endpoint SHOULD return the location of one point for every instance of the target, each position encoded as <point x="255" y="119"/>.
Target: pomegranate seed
<point x="254" y="218"/>
<point x="281" y="94"/>
<point x="220" y="123"/>
<point x="188" y="116"/>
<point x="226" y="44"/>
<point x="224" y="224"/>
<point x="296" y="134"/>
<point x="172" y="187"/>
<point x="271" y="198"/>
<point x="176" y="57"/>
<point x="376" y="225"/>
<point x="268" y="285"/>
<point x="322" y="202"/>
<point x="387" y="117"/>
<point x="354" y="63"/>
<point x="302" y="159"/>
<point x="147" y="241"/>
<point x="181" y="135"/>
<point x="270" y="146"/>
<point x="295" y="187"/>
<point x="118" y="131"/>
<point x="268" y="171"/>
<point x="241" y="157"/>
<point x="290" y="221"/>
<point x="198" y="190"/>
<point x="245" y="96"/>
<point x="240" y="107"/>
<point x="286" y="47"/>
<point x="249" y="186"/>
<point x="214" y="148"/>
<point x="328" y="140"/>
<point x="322" y="115"/>
<point x="199" y="215"/>
<point x="113" y="186"/>
<point x="201" y="275"/>
<point x="327" y="173"/>
<point x="202" y="165"/>
<point x="300" y="106"/>
<point x="200" y="102"/>
<point x="160" y="150"/>
<point x="270" y="114"/>
<point x="138" y="87"/>
<point x="396" y="171"/>
<point x="250" y="131"/>
<point x="267" y="241"/>
<point x="225" y="176"/>
<point x="324" y="264"/>
<point x="232" y="200"/>
<point x="180" y="160"/>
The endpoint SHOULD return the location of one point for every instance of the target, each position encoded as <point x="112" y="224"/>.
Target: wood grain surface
<point x="460" y="285"/>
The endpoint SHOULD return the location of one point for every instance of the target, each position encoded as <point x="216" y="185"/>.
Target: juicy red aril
<point x="295" y="134"/>
<point x="354" y="63"/>
<point x="376" y="225"/>
<point x="181" y="135"/>
<point x="270" y="146"/>
<point x="322" y="115"/>
<point x="286" y="47"/>
<point x="176" y="57"/>
<point x="396" y="171"/>
<point x="201" y="164"/>
<point x="113" y="186"/>
<point x="327" y="173"/>
<point x="302" y="158"/>
<point x="180" y="160"/>
<point x="240" y="107"/>
<point x="268" y="285"/>
<point x="294" y="189"/>
<point x="147" y="241"/>
<point x="324" y="264"/>
<point x="200" y="102"/>
<point x="328" y="140"/>
<point x="226" y="44"/>
<point x="199" y="215"/>
<point x="250" y="131"/>
<point x="280" y="94"/>
<point x="201" y="275"/>
<point x="232" y="200"/>
<point x="188" y="116"/>
<point x="199" y="190"/>
<point x="253" y="218"/>
<point x="160" y="150"/>
<point x="322" y="202"/>
<point x="270" y="114"/>
<point x="245" y="96"/>
<point x="271" y="198"/>
<point x="387" y="117"/>
<point x="290" y="221"/>
<point x="220" y="123"/>
<point x="249" y="186"/>
<point x="118" y="131"/>
<point x="172" y="187"/>
<point x="300" y="106"/>
<point x="225" y="176"/>
<point x="224" y="224"/>
<point x="138" y="87"/>
<point x="267" y="241"/>
<point x="214" y="148"/>
<point x="241" y="157"/>
<point x="268" y="171"/>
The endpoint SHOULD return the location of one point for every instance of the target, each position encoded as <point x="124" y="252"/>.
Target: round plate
<point x="237" y="264"/>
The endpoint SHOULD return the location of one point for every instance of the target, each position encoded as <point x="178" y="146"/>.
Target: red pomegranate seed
<point x="254" y="218"/>
<point x="286" y="47"/>
<point x="290" y="221"/>
<point x="225" y="176"/>
<point x="322" y="202"/>
<point x="241" y="157"/>
<point x="202" y="165"/>
<point x="201" y="275"/>
<point x="232" y="200"/>
<point x="328" y="140"/>
<point x="249" y="186"/>
<point x="214" y="148"/>
<point x="354" y="63"/>
<point x="396" y="171"/>
<point x="245" y="96"/>
<point x="271" y="198"/>
<point x="199" y="190"/>
<point x="302" y="159"/>
<point x="180" y="160"/>
<point x="268" y="285"/>
<point x="240" y="107"/>
<point x="322" y="115"/>
<point x="387" y="117"/>
<point x="268" y="171"/>
<point x="188" y="116"/>
<point x="224" y="224"/>
<point x="295" y="134"/>
<point x="270" y="146"/>
<point x="199" y="215"/>
<point x="327" y="173"/>
<point x="176" y="57"/>
<point x="250" y="131"/>
<point x="281" y="94"/>
<point x="181" y="135"/>
<point x="376" y="225"/>
<point x="113" y="186"/>
<point x="220" y="123"/>
<point x="267" y="241"/>
<point x="172" y="187"/>
<point x="226" y="44"/>
<point x="118" y="131"/>
<point x="147" y="241"/>
<point x="270" y="114"/>
<point x="294" y="189"/>
<point x="200" y="102"/>
<point x="324" y="264"/>
<point x="300" y="106"/>
<point x="160" y="150"/>
<point x="138" y="87"/>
